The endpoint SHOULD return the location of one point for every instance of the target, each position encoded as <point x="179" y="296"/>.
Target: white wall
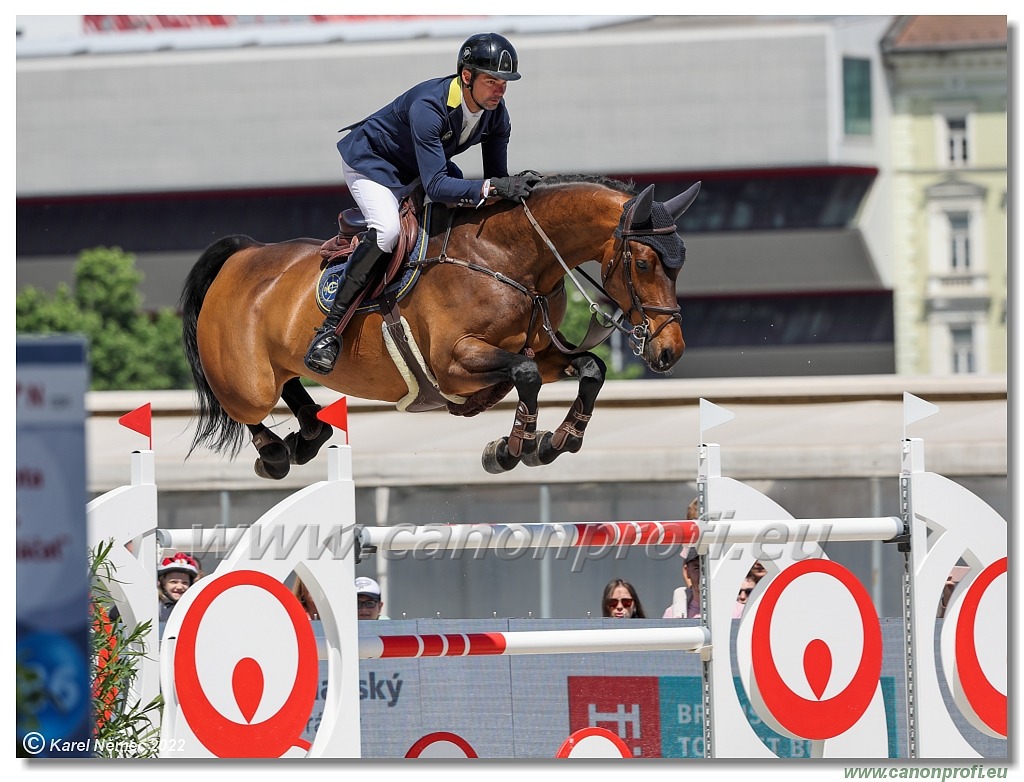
<point x="665" y="98"/>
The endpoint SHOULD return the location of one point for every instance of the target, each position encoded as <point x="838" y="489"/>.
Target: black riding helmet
<point x="490" y="53"/>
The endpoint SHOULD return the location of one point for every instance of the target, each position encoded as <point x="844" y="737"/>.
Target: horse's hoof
<point x="533" y="458"/>
<point x="496" y="459"/>
<point x="301" y="450"/>
<point x="272" y="470"/>
<point x="273" y="462"/>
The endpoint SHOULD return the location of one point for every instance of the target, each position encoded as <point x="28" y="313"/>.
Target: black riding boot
<point x="326" y="345"/>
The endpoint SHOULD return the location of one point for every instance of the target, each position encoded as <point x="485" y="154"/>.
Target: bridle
<point x="637" y="334"/>
<point x="602" y="323"/>
<point x="641" y="332"/>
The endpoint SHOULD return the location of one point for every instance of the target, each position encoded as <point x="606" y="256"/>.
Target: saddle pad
<point x="332" y="277"/>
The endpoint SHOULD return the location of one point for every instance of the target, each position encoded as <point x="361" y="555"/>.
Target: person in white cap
<point x="368" y="602"/>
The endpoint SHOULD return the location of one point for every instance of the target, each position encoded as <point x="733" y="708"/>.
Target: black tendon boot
<point x="323" y="351"/>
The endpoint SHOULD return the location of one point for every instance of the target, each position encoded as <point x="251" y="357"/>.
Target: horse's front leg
<point x="502" y="455"/>
<point x="568" y="437"/>
<point x="304" y="444"/>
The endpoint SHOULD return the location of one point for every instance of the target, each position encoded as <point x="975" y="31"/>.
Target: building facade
<point x="184" y="135"/>
<point x="948" y="80"/>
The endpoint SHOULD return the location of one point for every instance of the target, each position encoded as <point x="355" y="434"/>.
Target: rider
<point x="411" y="142"/>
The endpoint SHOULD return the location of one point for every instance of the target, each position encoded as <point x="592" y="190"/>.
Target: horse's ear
<point x="676" y="206"/>
<point x="642" y="206"/>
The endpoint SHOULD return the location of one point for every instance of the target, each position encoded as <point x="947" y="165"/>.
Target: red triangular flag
<point x="140" y="420"/>
<point x="336" y="415"/>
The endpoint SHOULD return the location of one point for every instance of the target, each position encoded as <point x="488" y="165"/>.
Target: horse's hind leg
<point x="273" y="461"/>
<point x="502" y="455"/>
<point x="304" y="444"/>
<point x="568" y="437"/>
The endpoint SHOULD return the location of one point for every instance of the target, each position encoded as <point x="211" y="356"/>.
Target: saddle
<point x="352" y="225"/>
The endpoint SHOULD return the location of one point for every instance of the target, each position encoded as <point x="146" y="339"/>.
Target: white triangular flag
<point x="915" y="409"/>
<point x="711" y="415"/>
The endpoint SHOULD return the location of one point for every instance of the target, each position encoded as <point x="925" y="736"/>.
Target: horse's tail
<point x="221" y="433"/>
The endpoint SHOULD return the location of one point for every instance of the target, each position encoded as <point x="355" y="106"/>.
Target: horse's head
<point x="640" y="274"/>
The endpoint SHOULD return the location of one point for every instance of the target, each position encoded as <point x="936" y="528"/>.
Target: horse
<point x="483" y="315"/>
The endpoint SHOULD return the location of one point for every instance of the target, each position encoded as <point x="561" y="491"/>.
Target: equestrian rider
<point x="410" y="142"/>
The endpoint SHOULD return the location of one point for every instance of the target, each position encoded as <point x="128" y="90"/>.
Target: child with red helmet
<point x="174" y="575"/>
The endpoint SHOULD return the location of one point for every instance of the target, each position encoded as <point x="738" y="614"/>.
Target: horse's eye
<point x="642" y="265"/>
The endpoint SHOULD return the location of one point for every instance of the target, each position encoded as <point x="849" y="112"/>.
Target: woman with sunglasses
<point x="621" y="601"/>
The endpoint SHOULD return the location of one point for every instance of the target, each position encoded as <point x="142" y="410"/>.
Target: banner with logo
<point x="51" y="567"/>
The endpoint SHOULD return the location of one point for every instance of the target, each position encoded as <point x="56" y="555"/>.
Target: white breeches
<point x="378" y="205"/>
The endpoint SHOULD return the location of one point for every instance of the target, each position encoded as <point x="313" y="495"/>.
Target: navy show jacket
<point x="417" y="135"/>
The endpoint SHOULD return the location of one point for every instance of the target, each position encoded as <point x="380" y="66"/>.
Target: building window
<point x="959" y="243"/>
<point x="856" y="97"/>
<point x="956" y="140"/>
<point x="962" y="340"/>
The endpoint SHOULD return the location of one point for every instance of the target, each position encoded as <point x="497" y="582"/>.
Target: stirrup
<point x="323" y="352"/>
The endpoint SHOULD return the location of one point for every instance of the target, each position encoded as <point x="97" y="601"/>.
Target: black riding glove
<point x="515" y="187"/>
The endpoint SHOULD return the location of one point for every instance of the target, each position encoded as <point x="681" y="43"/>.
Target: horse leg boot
<point x="323" y="351"/>
<point x="568" y="437"/>
<point x="304" y="444"/>
<point x="273" y="461"/>
<point x="502" y="455"/>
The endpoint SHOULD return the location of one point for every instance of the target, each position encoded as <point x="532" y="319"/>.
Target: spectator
<point x="955" y="576"/>
<point x="686" y="600"/>
<point x="621" y="601"/>
<point x="757" y="571"/>
<point x="693" y="509"/>
<point x="744" y="594"/>
<point x="301" y="592"/>
<point x="368" y="599"/>
<point x="174" y="576"/>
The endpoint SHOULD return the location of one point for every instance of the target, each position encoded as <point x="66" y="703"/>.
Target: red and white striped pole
<point x="442" y="537"/>
<point x="645" y="639"/>
<point x="531" y="535"/>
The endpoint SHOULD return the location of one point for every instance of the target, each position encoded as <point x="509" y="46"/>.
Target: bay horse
<point x="483" y="314"/>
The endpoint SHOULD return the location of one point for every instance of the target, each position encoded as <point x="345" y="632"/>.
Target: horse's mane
<point x="551" y="180"/>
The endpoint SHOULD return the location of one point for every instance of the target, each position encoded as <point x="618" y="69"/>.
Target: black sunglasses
<point x="627" y="602"/>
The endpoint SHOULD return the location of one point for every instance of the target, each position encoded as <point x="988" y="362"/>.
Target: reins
<point x="602" y="324"/>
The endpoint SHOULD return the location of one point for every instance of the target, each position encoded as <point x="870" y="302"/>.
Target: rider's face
<point x="486" y="92"/>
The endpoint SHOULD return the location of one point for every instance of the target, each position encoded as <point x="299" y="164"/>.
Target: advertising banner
<point x="52" y="587"/>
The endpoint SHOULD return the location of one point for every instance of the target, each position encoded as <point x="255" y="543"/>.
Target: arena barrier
<point x="239" y="661"/>
<point x="128" y="515"/>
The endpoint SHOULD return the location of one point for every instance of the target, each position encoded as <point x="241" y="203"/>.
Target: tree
<point x="574" y="327"/>
<point x="128" y="347"/>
